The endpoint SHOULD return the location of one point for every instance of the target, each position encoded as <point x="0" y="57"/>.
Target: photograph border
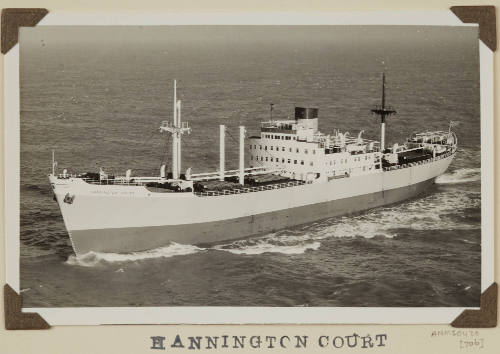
<point x="245" y="315"/>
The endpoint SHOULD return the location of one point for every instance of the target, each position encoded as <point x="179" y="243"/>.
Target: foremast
<point x="176" y="128"/>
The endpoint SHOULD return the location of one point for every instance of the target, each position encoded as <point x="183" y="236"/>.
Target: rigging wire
<point x="164" y="158"/>
<point x="231" y="136"/>
<point x="266" y="151"/>
<point x="150" y="137"/>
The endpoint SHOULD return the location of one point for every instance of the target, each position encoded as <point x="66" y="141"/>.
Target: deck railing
<point x="133" y="181"/>
<point x="120" y="182"/>
<point x="249" y="189"/>
<point x="412" y="164"/>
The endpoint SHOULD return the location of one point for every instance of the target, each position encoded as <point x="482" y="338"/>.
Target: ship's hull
<point x="117" y="219"/>
<point x="130" y="239"/>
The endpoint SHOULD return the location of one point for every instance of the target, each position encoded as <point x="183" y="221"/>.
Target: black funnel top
<point x="306" y="113"/>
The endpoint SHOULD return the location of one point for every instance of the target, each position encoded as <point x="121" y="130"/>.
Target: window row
<point x="278" y="137"/>
<point x="334" y="162"/>
<point x="367" y="157"/>
<point x="277" y="148"/>
<point x="276" y="159"/>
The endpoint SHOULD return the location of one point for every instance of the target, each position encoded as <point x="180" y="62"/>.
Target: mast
<point x="179" y="160"/>
<point x="242" y="155"/>
<point x="175" y="137"/>
<point x="54" y="164"/>
<point x="222" y="132"/>
<point x="176" y="128"/>
<point x="383" y="112"/>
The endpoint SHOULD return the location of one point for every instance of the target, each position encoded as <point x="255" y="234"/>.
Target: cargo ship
<point x="295" y="175"/>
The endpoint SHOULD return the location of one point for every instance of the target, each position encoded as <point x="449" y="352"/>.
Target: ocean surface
<point x="98" y="96"/>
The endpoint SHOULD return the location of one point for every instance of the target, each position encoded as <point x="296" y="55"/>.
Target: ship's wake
<point x="441" y="210"/>
<point x="462" y="175"/>
<point x="272" y="243"/>
<point x="92" y="259"/>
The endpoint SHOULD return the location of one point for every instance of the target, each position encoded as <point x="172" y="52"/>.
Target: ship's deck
<point x="419" y="162"/>
<point x="242" y="189"/>
<point x="252" y="184"/>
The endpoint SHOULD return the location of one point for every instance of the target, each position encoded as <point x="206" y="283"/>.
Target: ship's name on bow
<point x="110" y="192"/>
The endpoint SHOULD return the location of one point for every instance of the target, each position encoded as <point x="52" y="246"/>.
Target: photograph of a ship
<point x="250" y="166"/>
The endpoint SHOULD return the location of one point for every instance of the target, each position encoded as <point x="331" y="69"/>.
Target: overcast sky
<point x="251" y="34"/>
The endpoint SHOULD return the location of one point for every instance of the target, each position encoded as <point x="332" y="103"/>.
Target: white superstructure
<point x="304" y="153"/>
